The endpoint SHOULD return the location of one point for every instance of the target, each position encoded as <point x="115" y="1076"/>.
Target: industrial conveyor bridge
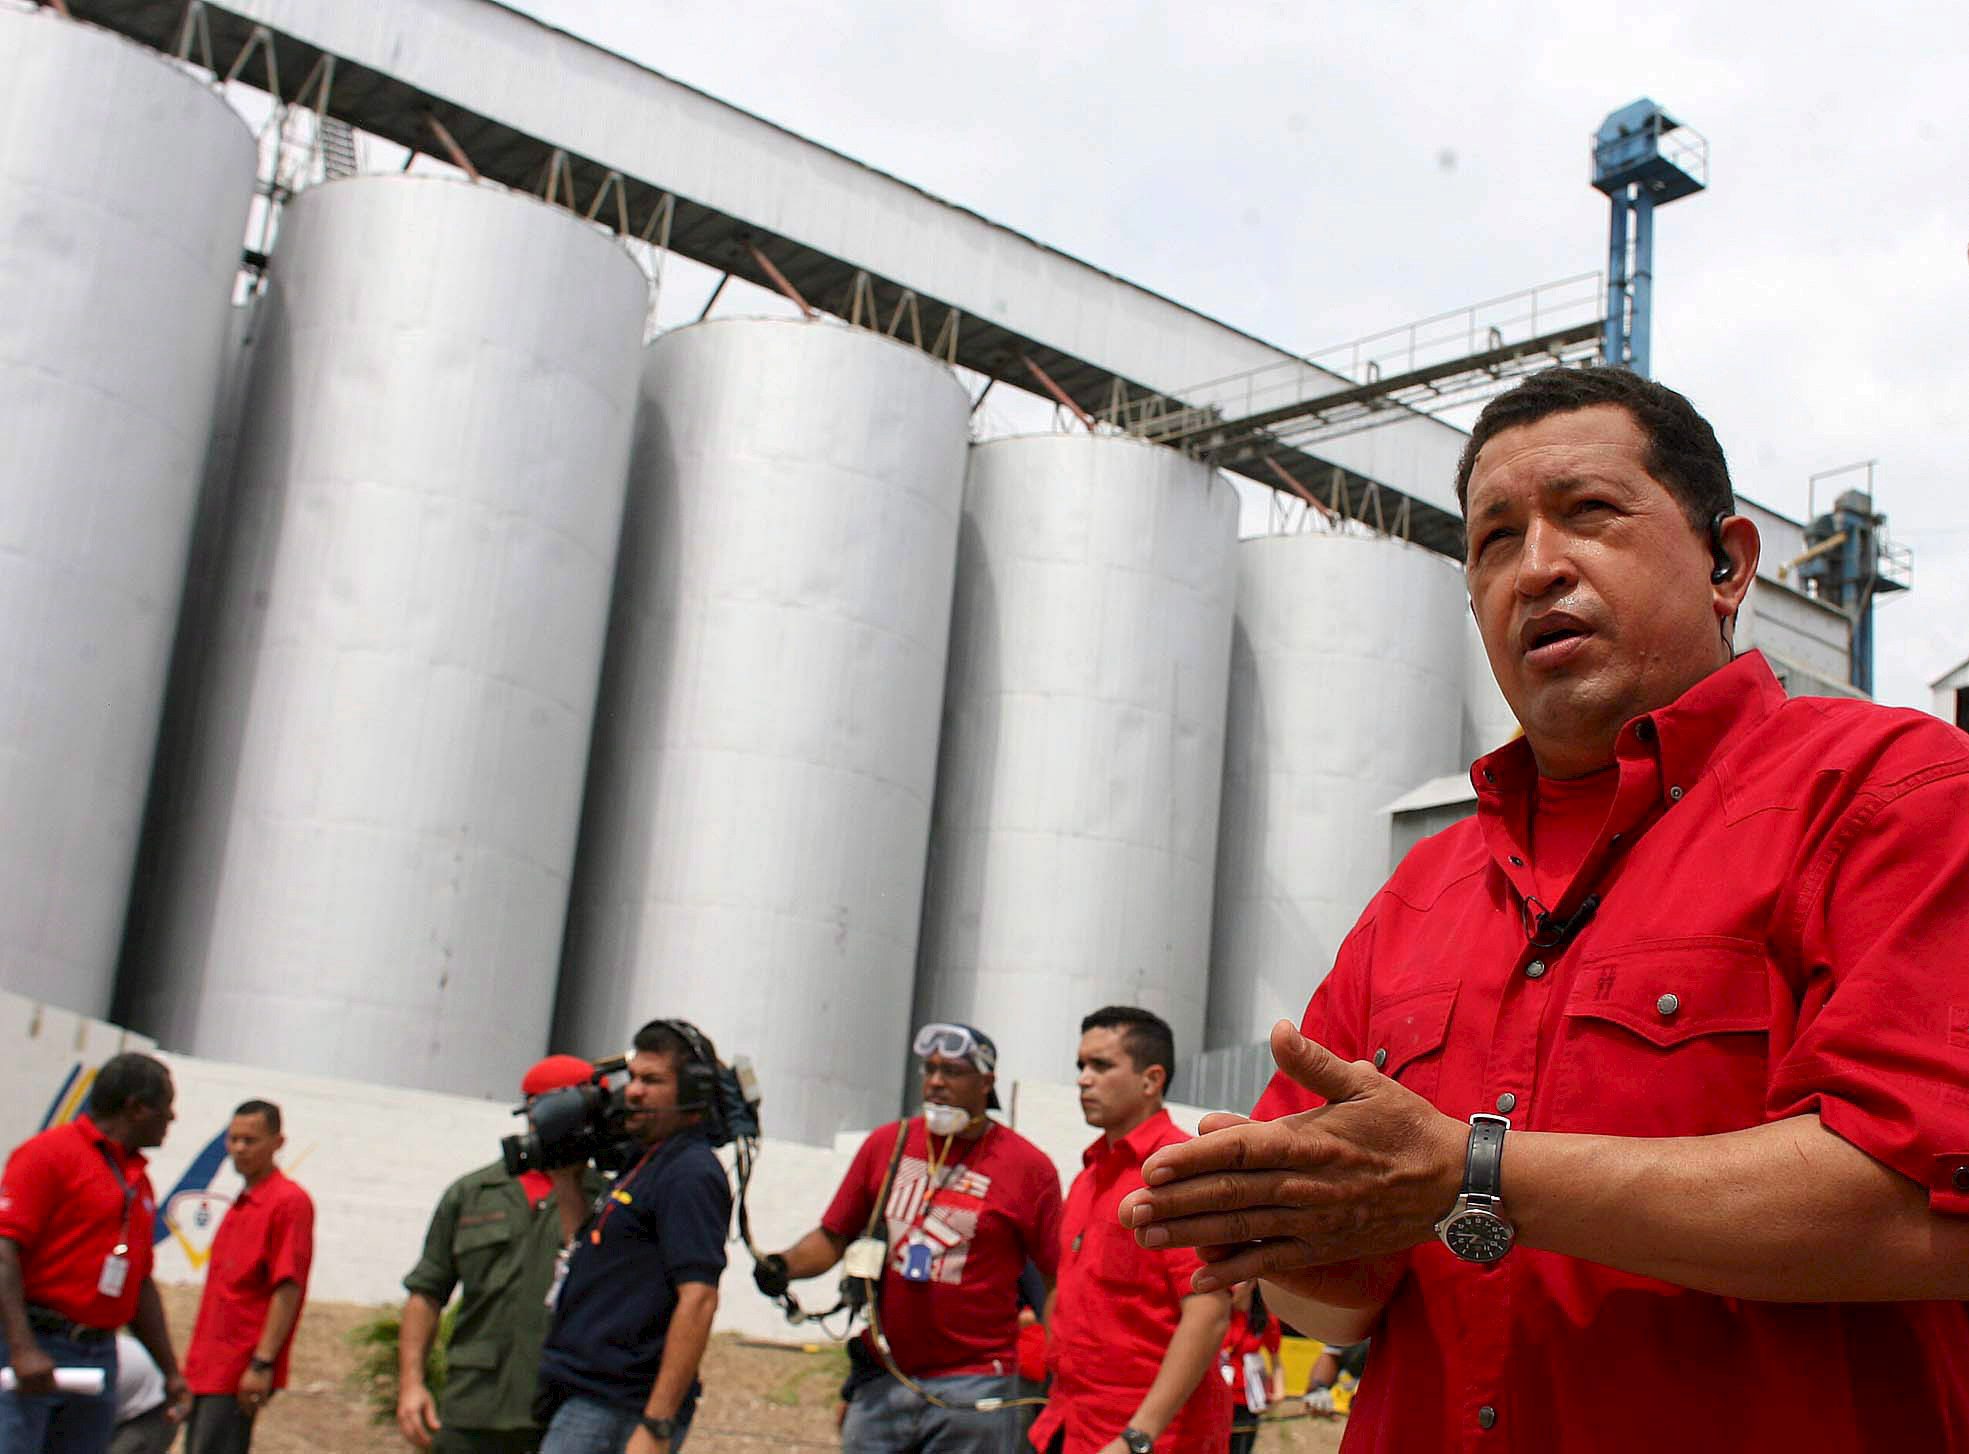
<point x="533" y="108"/>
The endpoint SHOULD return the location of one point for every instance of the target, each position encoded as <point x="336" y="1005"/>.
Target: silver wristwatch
<point x="1475" y="1228"/>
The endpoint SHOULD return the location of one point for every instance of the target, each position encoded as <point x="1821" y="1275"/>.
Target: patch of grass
<point x="375" y="1373"/>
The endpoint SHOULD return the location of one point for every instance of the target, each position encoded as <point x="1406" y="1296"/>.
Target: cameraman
<point x="634" y="1306"/>
<point x="495" y="1237"/>
<point x="964" y="1204"/>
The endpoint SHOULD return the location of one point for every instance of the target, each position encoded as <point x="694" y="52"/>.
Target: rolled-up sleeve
<point x="436" y="1273"/>
<point x="1881" y="920"/>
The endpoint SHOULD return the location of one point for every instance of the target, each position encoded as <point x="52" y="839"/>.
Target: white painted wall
<point x="375" y="1158"/>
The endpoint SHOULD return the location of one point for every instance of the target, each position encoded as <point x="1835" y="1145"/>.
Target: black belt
<point x="47" y="1320"/>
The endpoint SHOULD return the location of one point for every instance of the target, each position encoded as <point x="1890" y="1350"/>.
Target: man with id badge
<point x="76" y="1215"/>
<point x="634" y="1297"/>
<point x="954" y="1206"/>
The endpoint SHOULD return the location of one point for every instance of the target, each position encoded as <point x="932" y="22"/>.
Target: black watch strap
<point x="664" y="1429"/>
<point x="1483" y="1166"/>
<point x="1137" y="1441"/>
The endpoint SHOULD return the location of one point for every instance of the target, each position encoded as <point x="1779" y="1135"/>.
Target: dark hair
<point x="129" y="1079"/>
<point x="1682" y="450"/>
<point x="265" y="1110"/>
<point x="1145" y="1036"/>
<point x="1259" y="1318"/>
<point x="660" y="1037"/>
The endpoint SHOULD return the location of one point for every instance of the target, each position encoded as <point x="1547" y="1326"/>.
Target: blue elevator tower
<point x="1642" y="157"/>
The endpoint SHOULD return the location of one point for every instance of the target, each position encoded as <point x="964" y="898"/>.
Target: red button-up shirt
<point x="68" y="1209"/>
<point x="1116" y="1310"/>
<point x="266" y="1238"/>
<point x="1781" y="931"/>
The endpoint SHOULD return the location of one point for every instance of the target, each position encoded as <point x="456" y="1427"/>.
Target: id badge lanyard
<point x="116" y="1266"/>
<point x="917" y="1251"/>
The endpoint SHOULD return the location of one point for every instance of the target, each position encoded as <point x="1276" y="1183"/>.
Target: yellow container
<point x="1298" y="1355"/>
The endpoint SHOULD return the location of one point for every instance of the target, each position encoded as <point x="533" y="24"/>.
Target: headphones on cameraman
<point x="697" y="1076"/>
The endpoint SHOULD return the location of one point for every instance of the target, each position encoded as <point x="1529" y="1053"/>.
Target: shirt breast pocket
<point x="1406" y="1034"/>
<point x="478" y="1247"/>
<point x="1670" y="1038"/>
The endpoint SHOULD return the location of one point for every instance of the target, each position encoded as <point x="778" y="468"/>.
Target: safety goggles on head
<point x="955" y="1042"/>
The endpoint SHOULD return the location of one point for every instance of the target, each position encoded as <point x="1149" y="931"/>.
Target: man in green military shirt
<point x="496" y="1237"/>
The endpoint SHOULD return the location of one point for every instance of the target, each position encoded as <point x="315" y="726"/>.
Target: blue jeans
<point x="62" y="1423"/>
<point x="884" y="1417"/>
<point x="585" y="1425"/>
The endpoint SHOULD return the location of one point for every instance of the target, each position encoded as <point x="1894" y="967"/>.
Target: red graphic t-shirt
<point x="957" y="1243"/>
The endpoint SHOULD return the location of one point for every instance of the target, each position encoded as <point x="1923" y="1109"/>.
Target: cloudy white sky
<point x="1316" y="171"/>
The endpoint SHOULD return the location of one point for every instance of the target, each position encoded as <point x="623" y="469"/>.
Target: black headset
<point x="697" y="1077"/>
<point x="1725" y="567"/>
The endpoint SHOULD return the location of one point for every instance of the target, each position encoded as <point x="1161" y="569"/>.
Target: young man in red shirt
<point x="965" y="1204"/>
<point x="1130" y="1344"/>
<point x="76" y="1220"/>
<point x="254" y="1287"/>
<point x="1650" y="1075"/>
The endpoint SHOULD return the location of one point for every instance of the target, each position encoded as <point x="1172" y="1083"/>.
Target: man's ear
<point x="1158" y="1078"/>
<point x="1738" y="547"/>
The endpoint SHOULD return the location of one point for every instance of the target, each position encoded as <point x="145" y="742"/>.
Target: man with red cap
<point x="495" y="1236"/>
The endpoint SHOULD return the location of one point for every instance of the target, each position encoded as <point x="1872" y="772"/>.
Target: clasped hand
<point x="1367" y="1174"/>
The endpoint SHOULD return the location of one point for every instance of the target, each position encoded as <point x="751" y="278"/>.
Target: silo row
<point x="410" y="653"/>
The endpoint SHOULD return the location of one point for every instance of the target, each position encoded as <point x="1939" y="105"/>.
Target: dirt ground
<point x="757" y="1397"/>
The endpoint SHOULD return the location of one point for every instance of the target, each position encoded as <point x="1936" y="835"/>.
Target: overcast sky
<point x="1312" y="172"/>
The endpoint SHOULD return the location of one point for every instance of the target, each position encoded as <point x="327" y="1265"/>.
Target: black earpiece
<point x="1725" y="567"/>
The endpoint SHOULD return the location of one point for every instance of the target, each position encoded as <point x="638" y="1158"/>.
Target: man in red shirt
<point x="1130" y="1343"/>
<point x="1701" y="947"/>
<point x="76" y="1215"/>
<point x="965" y="1203"/>
<point x="254" y="1287"/>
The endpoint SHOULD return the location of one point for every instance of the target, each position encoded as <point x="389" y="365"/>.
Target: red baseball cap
<point x="556" y="1072"/>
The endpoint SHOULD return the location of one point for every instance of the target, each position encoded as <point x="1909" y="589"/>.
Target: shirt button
<point x="1380" y="1057"/>
<point x="1486" y="1416"/>
<point x="1645" y="729"/>
<point x="1674" y="795"/>
<point x="1506" y="1104"/>
<point x="1668" y="1004"/>
<point x="1517" y="862"/>
<point x="1961" y="1178"/>
<point x="1535" y="969"/>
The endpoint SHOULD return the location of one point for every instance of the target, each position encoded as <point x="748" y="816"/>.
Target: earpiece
<point x="1725" y="567"/>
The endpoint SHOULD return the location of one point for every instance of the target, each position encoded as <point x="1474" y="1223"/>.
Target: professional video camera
<point x="580" y="1123"/>
<point x="588" y="1122"/>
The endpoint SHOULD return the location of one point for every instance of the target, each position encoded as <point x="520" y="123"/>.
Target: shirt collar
<point x="1687" y="736"/>
<point x="1137" y="1144"/>
<point x="267" y="1184"/>
<point x="93" y="1134"/>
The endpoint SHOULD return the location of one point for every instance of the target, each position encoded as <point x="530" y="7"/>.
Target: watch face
<point x="1478" y="1236"/>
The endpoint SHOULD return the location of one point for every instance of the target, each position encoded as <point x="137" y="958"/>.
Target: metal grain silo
<point x="1346" y="692"/>
<point x="1077" y="796"/>
<point x="124" y="186"/>
<point x="370" y="878"/>
<point x="1488" y="721"/>
<point x="759" y="803"/>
